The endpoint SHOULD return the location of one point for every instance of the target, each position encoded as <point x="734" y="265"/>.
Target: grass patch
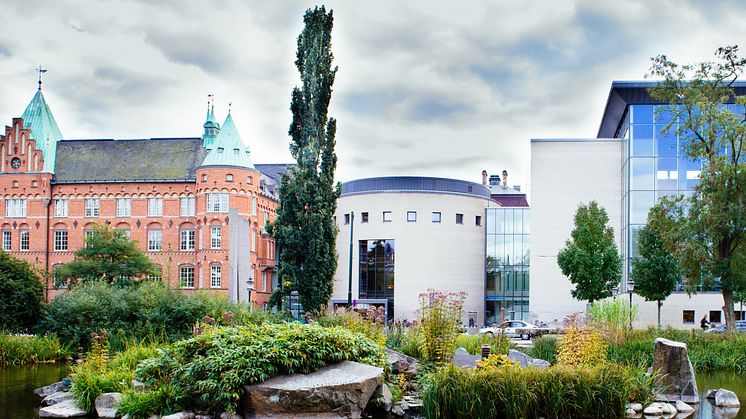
<point x="24" y="350"/>
<point x="545" y="347"/>
<point x="499" y="343"/>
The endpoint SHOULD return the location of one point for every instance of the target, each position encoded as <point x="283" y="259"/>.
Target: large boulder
<point x="676" y="374"/>
<point x="726" y="398"/>
<point x="526" y="361"/>
<point x="462" y="358"/>
<point x="107" y="405"/>
<point x="50" y="389"/>
<point x="402" y="364"/>
<point x="66" y="409"/>
<point x="57" y="397"/>
<point x="337" y="390"/>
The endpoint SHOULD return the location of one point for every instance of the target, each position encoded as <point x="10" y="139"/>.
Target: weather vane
<point x="229" y="106"/>
<point x="40" y="70"/>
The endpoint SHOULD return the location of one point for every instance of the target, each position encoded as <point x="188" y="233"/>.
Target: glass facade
<point x="377" y="271"/>
<point x="507" y="263"/>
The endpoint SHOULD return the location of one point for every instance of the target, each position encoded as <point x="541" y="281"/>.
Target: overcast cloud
<point x="428" y="88"/>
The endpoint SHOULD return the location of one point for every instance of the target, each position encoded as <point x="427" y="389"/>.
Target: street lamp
<point x="630" y="288"/>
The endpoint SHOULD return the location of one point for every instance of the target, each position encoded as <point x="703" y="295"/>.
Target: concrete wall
<point x="565" y="173"/>
<point x="445" y="256"/>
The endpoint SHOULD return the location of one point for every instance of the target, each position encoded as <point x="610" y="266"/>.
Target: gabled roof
<point x="39" y="119"/>
<point x="228" y="149"/>
<point x="275" y="171"/>
<point x="155" y="159"/>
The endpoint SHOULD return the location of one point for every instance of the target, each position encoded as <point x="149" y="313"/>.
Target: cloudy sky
<point x="429" y="88"/>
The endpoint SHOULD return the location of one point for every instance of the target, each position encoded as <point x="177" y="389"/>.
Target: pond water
<point x="18" y="401"/>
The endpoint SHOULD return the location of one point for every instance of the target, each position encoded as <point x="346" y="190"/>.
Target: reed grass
<point x="24" y="350"/>
<point x="499" y="344"/>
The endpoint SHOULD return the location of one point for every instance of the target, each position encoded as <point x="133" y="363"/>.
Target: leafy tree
<point x="656" y="271"/>
<point x="590" y="258"/>
<point x="108" y="255"/>
<point x="707" y="230"/>
<point x="21" y="294"/>
<point x="304" y="228"/>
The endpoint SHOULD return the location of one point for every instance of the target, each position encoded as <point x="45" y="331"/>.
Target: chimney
<point x="505" y="179"/>
<point x="494" y="180"/>
<point x="485" y="176"/>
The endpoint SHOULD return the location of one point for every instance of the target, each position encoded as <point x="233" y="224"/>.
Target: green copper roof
<point x="38" y="118"/>
<point x="211" y="126"/>
<point x="228" y="149"/>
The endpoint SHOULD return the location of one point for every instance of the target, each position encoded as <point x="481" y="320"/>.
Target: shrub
<point x="413" y="344"/>
<point x="23" y="350"/>
<point x="369" y="325"/>
<point x="21" y="294"/>
<point x="494" y="361"/>
<point x="499" y="343"/>
<point x="579" y="392"/>
<point x="582" y="346"/>
<point x="545" y="347"/>
<point x="440" y="318"/>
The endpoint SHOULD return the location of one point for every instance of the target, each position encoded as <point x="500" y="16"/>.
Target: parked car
<point x="510" y="328"/>
<point x="740" y="326"/>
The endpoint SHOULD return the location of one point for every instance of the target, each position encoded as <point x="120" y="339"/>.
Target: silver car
<point x="512" y="328"/>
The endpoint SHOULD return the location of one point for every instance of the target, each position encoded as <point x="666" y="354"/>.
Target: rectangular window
<point x="186" y="240"/>
<point x="15" y="207"/>
<point x="60" y="240"/>
<point x="60" y="207"/>
<point x="24" y="245"/>
<point x="688" y="316"/>
<point x="459" y="218"/>
<point x="387" y="216"/>
<point x="154" y="278"/>
<point x="124" y="207"/>
<point x="215" y="276"/>
<point x="266" y="220"/>
<point x="91" y="207"/>
<point x="436" y="217"/>
<point x="347" y="218"/>
<point x="155" y="240"/>
<point x="253" y="205"/>
<point x="364" y="217"/>
<point x="89" y="239"/>
<point x="411" y="216"/>
<point x="187" y="206"/>
<point x="715" y="316"/>
<point x="216" y="237"/>
<point x="186" y="277"/>
<point x="218" y="202"/>
<point x="253" y="240"/>
<point x="155" y="207"/>
<point x="58" y="282"/>
<point x="7" y="239"/>
<point x="478" y="220"/>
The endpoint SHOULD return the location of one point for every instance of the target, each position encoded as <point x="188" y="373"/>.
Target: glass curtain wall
<point x="507" y="264"/>
<point x="377" y="263"/>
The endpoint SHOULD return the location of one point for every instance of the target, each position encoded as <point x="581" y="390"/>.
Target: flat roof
<point x="415" y="184"/>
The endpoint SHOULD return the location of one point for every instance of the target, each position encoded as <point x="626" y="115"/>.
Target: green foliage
<point x="582" y="346"/>
<point x="163" y="400"/>
<point x="612" y="316"/>
<point x="212" y="368"/>
<point x="21" y="294"/>
<point x="499" y="343"/>
<point x="590" y="258"/>
<point x="440" y="321"/>
<point x="110" y="256"/>
<point x="396" y="393"/>
<point x="368" y="325"/>
<point x="580" y="392"/>
<point x="705" y="230"/>
<point x="656" y="271"/>
<point x="495" y="361"/>
<point x="545" y="347"/>
<point x="304" y="228"/>
<point x="24" y="350"/>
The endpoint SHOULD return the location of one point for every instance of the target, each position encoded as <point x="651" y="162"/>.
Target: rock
<point x="402" y="364"/>
<point x="226" y="415"/>
<point x="462" y="359"/>
<point x="107" y="405"/>
<point x="381" y="400"/>
<point x="180" y="415"/>
<point x="724" y="412"/>
<point x="413" y="402"/>
<point x="202" y="417"/>
<point x="637" y="407"/>
<point x="630" y="413"/>
<point x="57" y="397"/>
<point x="676" y="374"/>
<point x="66" y="409"/>
<point x="668" y="408"/>
<point x="682" y="407"/>
<point x="341" y="389"/>
<point x="526" y="361"/>
<point x="397" y="410"/>
<point x="711" y="394"/>
<point x="52" y="388"/>
<point x="652" y="410"/>
<point x="140" y="386"/>
<point x="726" y="398"/>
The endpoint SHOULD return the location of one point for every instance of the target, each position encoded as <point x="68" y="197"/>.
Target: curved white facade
<point x="445" y="255"/>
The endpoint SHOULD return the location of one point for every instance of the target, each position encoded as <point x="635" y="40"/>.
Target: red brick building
<point x="196" y="206"/>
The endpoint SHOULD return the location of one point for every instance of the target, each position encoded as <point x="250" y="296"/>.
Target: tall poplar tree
<point x="304" y="228"/>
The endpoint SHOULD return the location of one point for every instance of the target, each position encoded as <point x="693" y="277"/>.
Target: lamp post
<point x="630" y="288"/>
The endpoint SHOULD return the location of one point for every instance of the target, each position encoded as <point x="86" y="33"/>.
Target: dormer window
<point x="248" y="180"/>
<point x="235" y="151"/>
<point x="204" y="178"/>
<point x="220" y="150"/>
<point x="229" y="178"/>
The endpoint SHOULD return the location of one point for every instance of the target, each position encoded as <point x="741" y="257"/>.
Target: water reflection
<point x="714" y="380"/>
<point x="17" y="384"/>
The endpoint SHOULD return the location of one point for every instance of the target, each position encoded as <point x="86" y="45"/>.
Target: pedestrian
<point x="704" y="324"/>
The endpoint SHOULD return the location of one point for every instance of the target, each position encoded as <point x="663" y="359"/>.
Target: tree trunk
<point x="660" y="303"/>
<point x="728" y="310"/>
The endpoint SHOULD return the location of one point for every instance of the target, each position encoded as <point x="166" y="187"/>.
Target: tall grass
<point x="23" y="350"/>
<point x="545" y="347"/>
<point x="511" y="392"/>
<point x="499" y="343"/>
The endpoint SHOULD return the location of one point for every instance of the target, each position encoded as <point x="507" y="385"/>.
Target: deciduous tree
<point x="21" y="294"/>
<point x="656" y="271"/>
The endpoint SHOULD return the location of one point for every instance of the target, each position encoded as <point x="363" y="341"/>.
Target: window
<point x="229" y="178"/>
<point x="253" y="240"/>
<point x="126" y="233"/>
<point x="124" y="207"/>
<point x="154" y="278"/>
<point x="216" y="237"/>
<point x="186" y="204"/>
<point x="217" y="202"/>
<point x="7" y="239"/>
<point x="347" y="218"/>
<point x="740" y="315"/>
<point x="715" y="316"/>
<point x="264" y="281"/>
<point x="364" y="217"/>
<point x="91" y="207"/>
<point x="387" y="216"/>
<point x="15" y="184"/>
<point x="459" y="218"/>
<point x="60" y="240"/>
<point x="186" y="240"/>
<point x="60" y="207"/>
<point x="155" y="207"/>
<point x="376" y="270"/>
<point x="186" y="277"/>
<point x="15" y="207"/>
<point x="249" y="180"/>
<point x="89" y="238"/>
<point x="478" y="221"/>
<point x="34" y="184"/>
<point x="24" y="242"/>
<point x="155" y="240"/>
<point x="688" y="316"/>
<point x="253" y="205"/>
<point x="411" y="216"/>
<point x="436" y="217"/>
<point x="204" y="178"/>
<point x="215" y="276"/>
<point x="266" y="220"/>
<point x="58" y="282"/>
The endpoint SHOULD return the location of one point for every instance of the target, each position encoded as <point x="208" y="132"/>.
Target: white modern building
<point x="626" y="168"/>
